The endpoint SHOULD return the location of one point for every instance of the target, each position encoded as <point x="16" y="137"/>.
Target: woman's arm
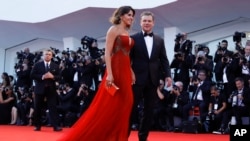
<point x="110" y="39"/>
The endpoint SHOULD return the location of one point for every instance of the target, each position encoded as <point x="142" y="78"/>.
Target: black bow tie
<point x="148" y="34"/>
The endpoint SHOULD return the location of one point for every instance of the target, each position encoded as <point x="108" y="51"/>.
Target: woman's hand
<point x="109" y="80"/>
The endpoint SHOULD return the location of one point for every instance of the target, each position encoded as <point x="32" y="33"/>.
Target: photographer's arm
<point x="224" y="105"/>
<point x="210" y="107"/>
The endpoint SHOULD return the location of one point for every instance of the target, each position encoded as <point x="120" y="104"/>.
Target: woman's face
<point x="128" y="18"/>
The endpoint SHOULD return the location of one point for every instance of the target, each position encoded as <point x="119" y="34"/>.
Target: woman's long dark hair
<point x="115" y="19"/>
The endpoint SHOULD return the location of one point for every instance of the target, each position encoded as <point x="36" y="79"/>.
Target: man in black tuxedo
<point x="150" y="64"/>
<point x="45" y="73"/>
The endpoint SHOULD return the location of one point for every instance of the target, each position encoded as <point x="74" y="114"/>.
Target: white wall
<point x="2" y="54"/>
<point x="37" y="45"/>
<point x="211" y="37"/>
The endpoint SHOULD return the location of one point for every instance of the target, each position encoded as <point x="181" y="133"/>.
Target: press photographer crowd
<point x="216" y="85"/>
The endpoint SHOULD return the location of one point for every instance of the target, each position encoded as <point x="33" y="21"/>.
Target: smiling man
<point x="147" y="56"/>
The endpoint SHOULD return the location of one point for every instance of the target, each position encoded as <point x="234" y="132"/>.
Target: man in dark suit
<point x="45" y="73"/>
<point x="200" y="98"/>
<point x="149" y="63"/>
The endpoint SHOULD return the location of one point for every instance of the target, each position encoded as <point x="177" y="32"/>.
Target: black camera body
<point x="86" y="41"/>
<point x="244" y="60"/>
<point x="238" y="35"/>
<point x="200" y="58"/>
<point x="233" y="98"/>
<point x="178" y="37"/>
<point x="175" y="87"/>
<point x="178" y="54"/>
<point x="56" y="51"/>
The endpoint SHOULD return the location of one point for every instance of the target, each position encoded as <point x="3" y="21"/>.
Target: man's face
<point x="214" y="92"/>
<point x="239" y="85"/>
<point x="202" y="76"/>
<point x="47" y="56"/>
<point x="247" y="50"/>
<point x="223" y="45"/>
<point x="147" y="23"/>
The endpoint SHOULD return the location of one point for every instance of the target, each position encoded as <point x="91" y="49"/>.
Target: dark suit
<point x="45" y="89"/>
<point x="148" y="71"/>
<point x="241" y="110"/>
<point x="202" y="104"/>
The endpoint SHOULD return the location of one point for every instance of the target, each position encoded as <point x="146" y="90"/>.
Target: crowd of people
<point x="218" y="84"/>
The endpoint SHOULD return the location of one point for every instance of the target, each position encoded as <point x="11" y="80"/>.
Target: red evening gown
<point x="107" y="118"/>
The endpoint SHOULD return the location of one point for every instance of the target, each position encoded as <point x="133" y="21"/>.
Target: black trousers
<point x="148" y="94"/>
<point x="51" y="100"/>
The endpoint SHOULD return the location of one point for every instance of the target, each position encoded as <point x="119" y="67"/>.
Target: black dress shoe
<point x="37" y="128"/>
<point x="57" y="129"/>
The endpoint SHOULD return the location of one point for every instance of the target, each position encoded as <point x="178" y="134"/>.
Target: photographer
<point x="25" y="55"/>
<point x="181" y="68"/>
<point x="177" y="99"/>
<point x="203" y="63"/>
<point x="88" y="70"/>
<point x="220" y="52"/>
<point x="66" y="95"/>
<point x="245" y="65"/>
<point x="66" y="77"/>
<point x="239" y="101"/>
<point x="200" y="97"/>
<point x="84" y="97"/>
<point x="237" y="39"/>
<point x="217" y="111"/>
<point x="77" y="69"/>
<point x="182" y="44"/>
<point x="25" y="104"/>
<point x="229" y="68"/>
<point x="23" y="76"/>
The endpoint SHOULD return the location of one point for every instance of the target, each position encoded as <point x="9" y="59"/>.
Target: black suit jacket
<point x="145" y="66"/>
<point x="38" y="71"/>
<point x="205" y="88"/>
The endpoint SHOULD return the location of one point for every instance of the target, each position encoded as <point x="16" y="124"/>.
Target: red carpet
<point x="26" y="133"/>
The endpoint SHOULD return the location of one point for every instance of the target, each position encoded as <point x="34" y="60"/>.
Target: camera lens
<point x="200" y="58"/>
<point x="225" y="59"/>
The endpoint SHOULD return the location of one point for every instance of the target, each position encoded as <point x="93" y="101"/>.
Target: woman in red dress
<point x="107" y="118"/>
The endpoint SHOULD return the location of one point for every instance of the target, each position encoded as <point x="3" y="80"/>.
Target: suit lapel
<point x="143" y="44"/>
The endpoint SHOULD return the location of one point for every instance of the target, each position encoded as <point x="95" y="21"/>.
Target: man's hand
<point x="48" y="75"/>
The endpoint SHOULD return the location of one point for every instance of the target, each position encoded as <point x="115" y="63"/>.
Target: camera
<point x="20" y="55"/>
<point x="238" y="35"/>
<point x="86" y="41"/>
<point x="178" y="54"/>
<point x="55" y="50"/>
<point x="225" y="59"/>
<point x="244" y="60"/>
<point x="61" y="87"/>
<point x="84" y="87"/>
<point x="178" y="37"/>
<point x="200" y="58"/>
<point x="233" y="98"/>
<point x="175" y="87"/>
<point x="220" y="85"/>
<point x="18" y="66"/>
